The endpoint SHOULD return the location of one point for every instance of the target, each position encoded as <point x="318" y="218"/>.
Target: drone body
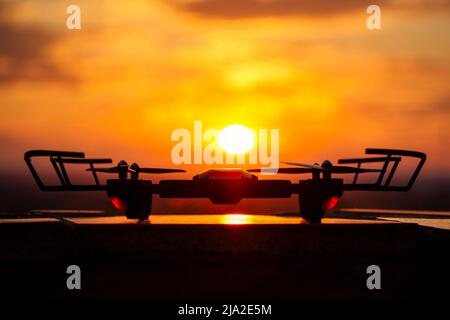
<point x="316" y="195"/>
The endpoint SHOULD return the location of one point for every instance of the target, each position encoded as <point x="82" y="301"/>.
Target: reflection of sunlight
<point x="236" y="219"/>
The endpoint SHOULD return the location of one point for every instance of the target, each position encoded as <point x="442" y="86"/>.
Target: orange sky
<point x="138" y="70"/>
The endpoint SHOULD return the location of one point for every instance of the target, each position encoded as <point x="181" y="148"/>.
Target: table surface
<point x="435" y="219"/>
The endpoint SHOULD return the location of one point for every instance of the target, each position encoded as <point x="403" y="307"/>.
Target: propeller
<point x="305" y="165"/>
<point x="328" y="167"/>
<point x="282" y="170"/>
<point x="134" y="169"/>
<point x="105" y="170"/>
<point x="122" y="165"/>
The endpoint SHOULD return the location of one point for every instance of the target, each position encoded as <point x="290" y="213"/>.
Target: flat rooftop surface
<point x="434" y="219"/>
<point x="225" y="256"/>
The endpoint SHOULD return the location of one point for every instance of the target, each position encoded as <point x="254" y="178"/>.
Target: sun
<point x="235" y="139"/>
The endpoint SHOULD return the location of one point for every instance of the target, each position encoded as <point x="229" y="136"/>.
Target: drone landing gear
<point x="134" y="197"/>
<point x="311" y="212"/>
<point x="316" y="197"/>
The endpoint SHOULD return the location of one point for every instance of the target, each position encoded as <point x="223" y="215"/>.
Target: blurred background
<point x="138" y="70"/>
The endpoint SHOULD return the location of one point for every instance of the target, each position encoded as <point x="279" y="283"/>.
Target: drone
<point x="316" y="195"/>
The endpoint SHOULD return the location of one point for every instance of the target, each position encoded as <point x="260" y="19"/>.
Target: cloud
<point x="24" y="52"/>
<point x="227" y="9"/>
<point x="262" y="8"/>
<point x="441" y="106"/>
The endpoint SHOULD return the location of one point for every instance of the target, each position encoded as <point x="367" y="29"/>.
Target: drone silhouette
<point x="316" y="195"/>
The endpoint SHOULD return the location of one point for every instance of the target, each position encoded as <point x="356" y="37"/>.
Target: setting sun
<point x="236" y="139"/>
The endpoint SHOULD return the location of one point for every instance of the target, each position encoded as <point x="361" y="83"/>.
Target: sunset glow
<point x="136" y="71"/>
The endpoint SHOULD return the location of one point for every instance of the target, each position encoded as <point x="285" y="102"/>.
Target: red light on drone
<point x="119" y="203"/>
<point x="330" y="203"/>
